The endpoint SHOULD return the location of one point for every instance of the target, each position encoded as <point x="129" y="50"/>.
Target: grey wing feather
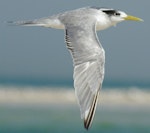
<point x="88" y="58"/>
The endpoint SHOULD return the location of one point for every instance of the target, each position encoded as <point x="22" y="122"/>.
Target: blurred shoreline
<point x="60" y="95"/>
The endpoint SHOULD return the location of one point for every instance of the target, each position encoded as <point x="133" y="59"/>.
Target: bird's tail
<point x="51" y="22"/>
<point x="25" y="23"/>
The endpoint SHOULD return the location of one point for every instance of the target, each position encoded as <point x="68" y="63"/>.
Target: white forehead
<point x="122" y="14"/>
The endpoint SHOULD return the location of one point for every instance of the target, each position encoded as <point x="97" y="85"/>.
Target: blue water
<point x="66" y="119"/>
<point x="37" y="118"/>
<point x="69" y="82"/>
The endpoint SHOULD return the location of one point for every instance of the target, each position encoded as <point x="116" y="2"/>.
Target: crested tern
<point x="80" y="26"/>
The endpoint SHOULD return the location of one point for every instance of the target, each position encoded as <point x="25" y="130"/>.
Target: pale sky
<point x="40" y="53"/>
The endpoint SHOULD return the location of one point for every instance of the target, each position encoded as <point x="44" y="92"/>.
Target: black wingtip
<point x="86" y="126"/>
<point x="88" y="121"/>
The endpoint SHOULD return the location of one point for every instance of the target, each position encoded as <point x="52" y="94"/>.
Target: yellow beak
<point x="133" y="18"/>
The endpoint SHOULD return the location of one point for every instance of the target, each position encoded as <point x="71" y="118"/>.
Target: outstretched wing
<point x="88" y="58"/>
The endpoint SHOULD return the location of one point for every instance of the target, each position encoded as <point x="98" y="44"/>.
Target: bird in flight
<point x="88" y="55"/>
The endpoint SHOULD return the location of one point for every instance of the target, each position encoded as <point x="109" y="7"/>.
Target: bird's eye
<point x="117" y="14"/>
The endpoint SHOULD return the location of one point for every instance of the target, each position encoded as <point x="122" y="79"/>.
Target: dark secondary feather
<point x="68" y="42"/>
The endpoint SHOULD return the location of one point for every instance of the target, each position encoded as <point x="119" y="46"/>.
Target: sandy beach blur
<point x="46" y="95"/>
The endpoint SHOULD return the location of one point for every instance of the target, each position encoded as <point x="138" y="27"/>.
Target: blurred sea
<point x="34" y="108"/>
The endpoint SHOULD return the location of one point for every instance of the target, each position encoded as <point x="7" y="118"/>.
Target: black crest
<point x="111" y="12"/>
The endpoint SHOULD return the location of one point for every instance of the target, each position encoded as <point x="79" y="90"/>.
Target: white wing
<point x="88" y="58"/>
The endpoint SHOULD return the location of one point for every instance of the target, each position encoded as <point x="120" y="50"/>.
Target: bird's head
<point x="112" y="17"/>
